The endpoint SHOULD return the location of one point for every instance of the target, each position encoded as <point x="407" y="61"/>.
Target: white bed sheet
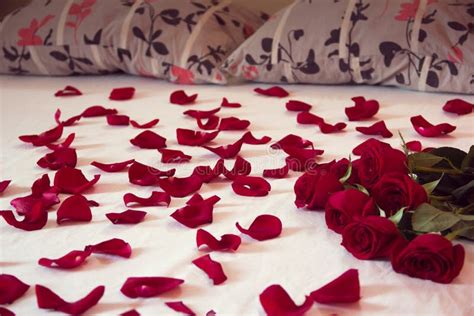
<point x="306" y="256"/>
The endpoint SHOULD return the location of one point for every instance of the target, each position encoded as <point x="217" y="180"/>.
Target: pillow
<point x="417" y="44"/>
<point x="184" y="41"/>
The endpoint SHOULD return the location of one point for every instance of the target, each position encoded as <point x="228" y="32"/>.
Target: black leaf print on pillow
<point x="17" y="57"/>
<point x="208" y="61"/>
<point x="389" y="50"/>
<point x="121" y="53"/>
<point x="75" y="64"/>
<point x="95" y="39"/>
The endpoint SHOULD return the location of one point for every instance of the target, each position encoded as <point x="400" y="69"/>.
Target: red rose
<point x="371" y="237"/>
<point x="339" y="168"/>
<point x="396" y="190"/>
<point x="376" y="159"/>
<point x="430" y="257"/>
<point x="314" y="187"/>
<point x="343" y="206"/>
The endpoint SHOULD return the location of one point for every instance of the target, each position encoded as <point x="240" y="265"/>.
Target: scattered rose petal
<point x="207" y="173"/>
<point x="180" y="307"/>
<point x="68" y="91"/>
<point x="155" y="199"/>
<point x="47" y="299"/>
<point x="98" y="110"/>
<point x="414" y="145"/>
<point x="145" y="287"/>
<point x="121" y="94"/>
<point x="144" y="175"/>
<point x="212" y="268"/>
<point x="73" y="181"/>
<point x="343" y="289"/>
<point x="363" y="109"/>
<point x="276" y="302"/>
<point x="292" y="140"/>
<point x="241" y="168"/>
<point x="113" y="167"/>
<point x="197" y="211"/>
<point x="65" y="144"/>
<point x="263" y="227"/>
<point x="225" y="103"/>
<point x="307" y="118"/>
<point x="327" y="128"/>
<point x="233" y="124"/>
<point x="173" y="156"/>
<point x="74" y="209"/>
<point x="297" y="106"/>
<point x="117" y="120"/>
<point x="11" y="289"/>
<point x="458" y="106"/>
<point x="132" y="312"/>
<point x="227" y="241"/>
<point x="126" y="217"/>
<point x="41" y="191"/>
<point x="181" y="187"/>
<point x="45" y="138"/>
<point x="149" y="124"/>
<point x="194" y="138"/>
<point x="301" y="159"/>
<point x="378" y="128"/>
<point x="226" y="151"/>
<point x="212" y="122"/>
<point x="181" y="98"/>
<point x="6" y="312"/>
<point x="277" y="173"/>
<point x="198" y="114"/>
<point x="4" y="185"/>
<point x="251" y="186"/>
<point x="70" y="121"/>
<point x="35" y="219"/>
<point x="248" y="138"/>
<point x="113" y="247"/>
<point x="274" y="91"/>
<point x="149" y="140"/>
<point x="58" y="158"/>
<point x="426" y="129"/>
<point x="71" y="260"/>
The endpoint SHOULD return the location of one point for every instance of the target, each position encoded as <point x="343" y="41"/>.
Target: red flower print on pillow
<point x="28" y="35"/>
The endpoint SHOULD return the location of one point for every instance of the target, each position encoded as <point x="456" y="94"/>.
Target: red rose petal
<point x="263" y="227"/>
<point x="225" y="103"/>
<point x="207" y="173"/>
<point x="35" y="219"/>
<point x="113" y="247"/>
<point x="248" y="138"/>
<point x="343" y="289"/>
<point x="132" y="312"/>
<point x="181" y="98"/>
<point x="274" y="91"/>
<point x="97" y="110"/>
<point x="145" y="287"/>
<point x="144" y="175"/>
<point x="45" y="138"/>
<point x="155" y="199"/>
<point x="58" y="158"/>
<point x="149" y="140"/>
<point x="68" y="91"/>
<point x="180" y="307"/>
<point x="70" y="121"/>
<point x="212" y="268"/>
<point x="363" y="109"/>
<point x="47" y="299"/>
<point x="70" y="180"/>
<point x="194" y="138"/>
<point x="233" y="124"/>
<point x="41" y="191"/>
<point x="414" y="145"/>
<point x="74" y="209"/>
<point x="307" y="118"/>
<point x="6" y="312"/>
<point x="211" y="123"/>
<point x="226" y="151"/>
<point x="241" y="168"/>
<point x="149" y="124"/>
<point x="426" y="129"/>
<point x="227" y="241"/>
<point x="292" y="140"/>
<point x="113" y="167"/>
<point x="276" y="302"/>
<point x="298" y="106"/>
<point x="127" y="217"/>
<point x="118" y="120"/>
<point x="301" y="159"/>
<point x="197" y="212"/>
<point x="173" y="156"/>
<point x="4" y="185"/>
<point x="71" y="260"/>
<point x="65" y="144"/>
<point x="11" y="289"/>
<point x="198" y="114"/>
<point x="327" y="128"/>
<point x="276" y="173"/>
<point x="181" y="187"/>
<point x="378" y="128"/>
<point x="251" y="186"/>
<point x="458" y="106"/>
<point x="120" y="94"/>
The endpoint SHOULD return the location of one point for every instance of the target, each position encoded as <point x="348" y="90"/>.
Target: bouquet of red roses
<point x="403" y="206"/>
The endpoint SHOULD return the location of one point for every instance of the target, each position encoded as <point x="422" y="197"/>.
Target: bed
<point x="303" y="258"/>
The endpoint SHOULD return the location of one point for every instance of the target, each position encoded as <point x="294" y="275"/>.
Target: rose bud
<point x="343" y="206"/>
<point x="430" y="257"/>
<point x="396" y="190"/>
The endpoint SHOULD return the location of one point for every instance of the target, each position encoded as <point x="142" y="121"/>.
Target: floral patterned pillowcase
<point x="424" y="45"/>
<point x="183" y="41"/>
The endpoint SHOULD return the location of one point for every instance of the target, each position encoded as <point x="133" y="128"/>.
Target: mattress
<point x="306" y="256"/>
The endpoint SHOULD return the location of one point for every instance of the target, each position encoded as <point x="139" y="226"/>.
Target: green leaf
<point x="424" y="160"/>
<point x="464" y="191"/>
<point x="397" y="217"/>
<point x="348" y="173"/>
<point x="427" y="218"/>
<point x="454" y="156"/>
<point x="462" y="229"/>
<point x="466" y="217"/>
<point x="430" y="186"/>
<point x="362" y="189"/>
<point x="468" y="161"/>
